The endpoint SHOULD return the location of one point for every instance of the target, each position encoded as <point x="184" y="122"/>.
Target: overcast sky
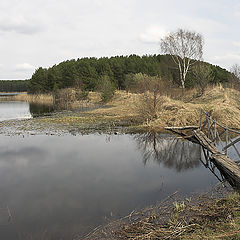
<point x="36" y="33"/>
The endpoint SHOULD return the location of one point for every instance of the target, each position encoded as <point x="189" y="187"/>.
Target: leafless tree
<point x="185" y="47"/>
<point x="151" y="88"/>
<point x="235" y="70"/>
<point x="202" y="75"/>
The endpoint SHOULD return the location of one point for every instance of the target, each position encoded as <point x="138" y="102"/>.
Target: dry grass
<point x="224" y="104"/>
<point x="200" y="217"/>
<point x="121" y="109"/>
<point x="34" y="98"/>
<point x="125" y="107"/>
<point x="93" y="98"/>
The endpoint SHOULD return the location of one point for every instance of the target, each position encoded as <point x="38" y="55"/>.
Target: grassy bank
<point x="223" y="103"/>
<point x="129" y="110"/>
<point x="125" y="108"/>
<point x="200" y="217"/>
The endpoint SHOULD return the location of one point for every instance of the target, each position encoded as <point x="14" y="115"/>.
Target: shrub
<point x="150" y="101"/>
<point x="64" y="98"/>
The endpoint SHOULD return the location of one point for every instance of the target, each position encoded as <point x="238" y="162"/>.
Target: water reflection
<point x="170" y="151"/>
<point x="40" y="109"/>
<point x="14" y="110"/>
<point x="207" y="162"/>
<point x="177" y="154"/>
<point x="10" y="110"/>
<point x="64" y="186"/>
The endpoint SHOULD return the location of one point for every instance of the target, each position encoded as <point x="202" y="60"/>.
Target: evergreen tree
<point x="86" y="73"/>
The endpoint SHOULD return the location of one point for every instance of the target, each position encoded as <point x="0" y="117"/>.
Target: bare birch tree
<point x="186" y="48"/>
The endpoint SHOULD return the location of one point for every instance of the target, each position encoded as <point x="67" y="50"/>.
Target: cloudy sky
<point x="36" y="33"/>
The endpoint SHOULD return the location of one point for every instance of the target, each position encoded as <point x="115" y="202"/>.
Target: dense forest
<point x="14" y="85"/>
<point x="86" y="72"/>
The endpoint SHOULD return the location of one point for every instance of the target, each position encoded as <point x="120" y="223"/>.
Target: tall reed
<point x="34" y="98"/>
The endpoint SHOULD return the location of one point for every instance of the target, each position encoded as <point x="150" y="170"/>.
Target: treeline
<point x="86" y="73"/>
<point x="14" y="85"/>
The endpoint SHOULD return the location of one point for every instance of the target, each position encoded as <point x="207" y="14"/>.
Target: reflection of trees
<point x="172" y="152"/>
<point x="39" y="109"/>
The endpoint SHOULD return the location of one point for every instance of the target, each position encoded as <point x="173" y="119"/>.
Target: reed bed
<point x="34" y="98"/>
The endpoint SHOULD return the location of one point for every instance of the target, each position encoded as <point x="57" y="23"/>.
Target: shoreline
<point x="211" y="215"/>
<point x="129" y="110"/>
<point x="126" y="111"/>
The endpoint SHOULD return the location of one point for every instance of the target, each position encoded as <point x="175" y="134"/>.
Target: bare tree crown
<point x="235" y="69"/>
<point x="185" y="48"/>
<point x="183" y="44"/>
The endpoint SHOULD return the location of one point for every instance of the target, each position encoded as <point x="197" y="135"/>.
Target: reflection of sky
<point x="67" y="184"/>
<point x="14" y="110"/>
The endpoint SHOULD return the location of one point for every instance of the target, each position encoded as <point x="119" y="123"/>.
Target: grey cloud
<point x="23" y="26"/>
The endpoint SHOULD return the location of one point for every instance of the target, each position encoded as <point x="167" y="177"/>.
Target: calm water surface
<point x="10" y="110"/>
<point x="68" y="185"/>
<point x="14" y="110"/>
<point x="58" y="187"/>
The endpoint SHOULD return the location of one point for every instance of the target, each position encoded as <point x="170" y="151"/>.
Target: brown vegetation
<point x="145" y="111"/>
<point x="171" y="110"/>
<point x="200" y="217"/>
<point x="34" y="98"/>
<point x="224" y="104"/>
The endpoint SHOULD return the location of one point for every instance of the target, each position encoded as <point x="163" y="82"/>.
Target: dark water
<point x="22" y="110"/>
<point x="58" y="187"/>
<point x="40" y="109"/>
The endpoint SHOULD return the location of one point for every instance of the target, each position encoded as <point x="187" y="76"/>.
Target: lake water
<point x="69" y="185"/>
<point x="10" y="110"/>
<point x="14" y="110"/>
<point x="55" y="187"/>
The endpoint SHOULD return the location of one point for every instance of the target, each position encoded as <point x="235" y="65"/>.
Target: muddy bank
<point x="213" y="215"/>
<point x="66" y="123"/>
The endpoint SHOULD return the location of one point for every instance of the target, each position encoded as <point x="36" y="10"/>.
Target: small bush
<point x="151" y="97"/>
<point x="64" y="98"/>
